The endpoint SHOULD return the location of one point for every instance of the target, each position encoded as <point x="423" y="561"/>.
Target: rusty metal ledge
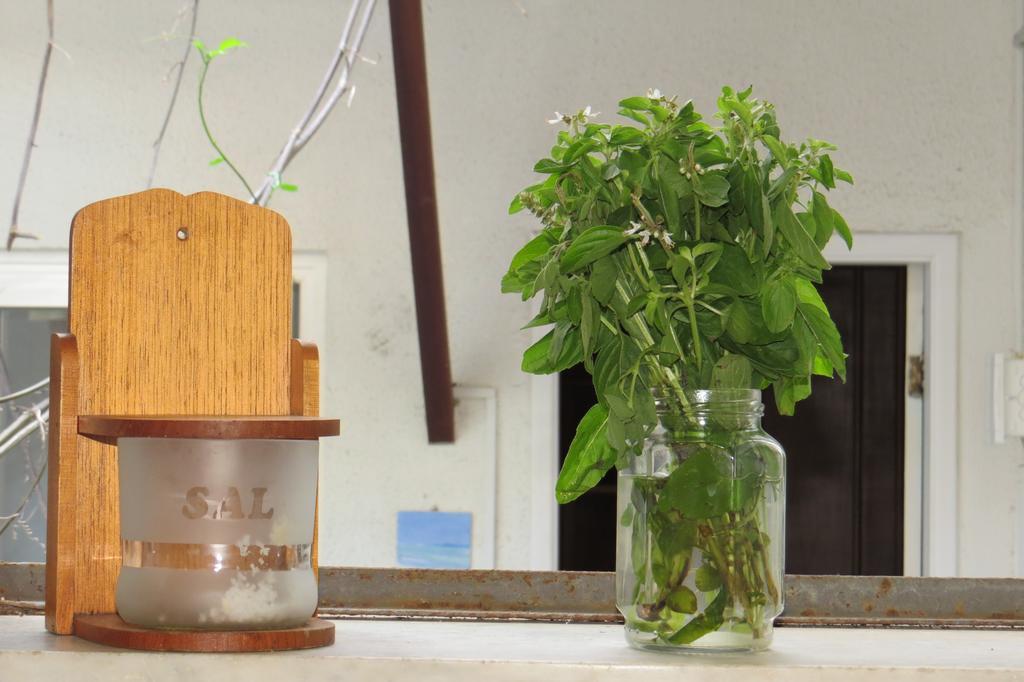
<point x="588" y="597"/>
<point x="568" y="596"/>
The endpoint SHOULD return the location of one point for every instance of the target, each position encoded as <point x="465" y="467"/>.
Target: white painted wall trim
<point x="484" y="553"/>
<point x="309" y="271"/>
<point x="939" y="253"/>
<point x="544" y="456"/>
<point x="34" y="279"/>
<point x="543" y="471"/>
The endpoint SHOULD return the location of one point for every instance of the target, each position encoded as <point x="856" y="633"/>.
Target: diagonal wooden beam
<point x="421" y="206"/>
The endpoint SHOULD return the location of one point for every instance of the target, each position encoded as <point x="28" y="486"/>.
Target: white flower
<point x="653" y="93"/>
<point x="638" y="230"/>
<point x="646" y="234"/>
<point x="579" y="118"/>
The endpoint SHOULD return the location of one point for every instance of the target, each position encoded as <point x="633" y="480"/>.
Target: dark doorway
<point x="844" y="445"/>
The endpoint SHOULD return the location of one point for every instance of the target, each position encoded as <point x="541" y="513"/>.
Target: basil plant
<point x="677" y="255"/>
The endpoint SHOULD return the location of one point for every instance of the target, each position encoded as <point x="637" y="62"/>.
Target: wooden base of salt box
<point x="109" y="629"/>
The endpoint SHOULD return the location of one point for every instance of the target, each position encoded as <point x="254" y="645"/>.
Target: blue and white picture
<point x="431" y="539"/>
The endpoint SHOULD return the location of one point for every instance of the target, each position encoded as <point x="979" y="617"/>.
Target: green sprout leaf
<point x="226" y="45"/>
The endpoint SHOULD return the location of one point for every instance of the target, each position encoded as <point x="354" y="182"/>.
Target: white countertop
<point x="426" y="651"/>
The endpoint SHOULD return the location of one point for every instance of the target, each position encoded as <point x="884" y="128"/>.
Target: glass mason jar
<point x="217" y="534"/>
<point x="701" y="527"/>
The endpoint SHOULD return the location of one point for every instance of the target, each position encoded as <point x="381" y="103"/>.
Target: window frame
<point x="39" y="279"/>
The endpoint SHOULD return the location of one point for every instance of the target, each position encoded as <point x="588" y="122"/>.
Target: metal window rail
<point x="584" y="597"/>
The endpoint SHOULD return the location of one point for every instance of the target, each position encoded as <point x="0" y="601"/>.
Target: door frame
<point x="932" y="479"/>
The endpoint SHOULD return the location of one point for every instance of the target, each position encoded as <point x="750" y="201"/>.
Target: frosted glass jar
<point x="217" y="534"/>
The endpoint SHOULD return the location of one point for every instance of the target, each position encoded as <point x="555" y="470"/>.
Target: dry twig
<point x="180" y="66"/>
<point x="14" y="232"/>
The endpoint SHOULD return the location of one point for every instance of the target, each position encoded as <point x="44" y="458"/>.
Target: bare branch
<point x="25" y="391"/>
<point x="342" y="85"/>
<point x="14" y="233"/>
<point x="180" y="65"/>
<point x="27" y="422"/>
<point x="340" y="67"/>
<point x="5" y="447"/>
<point x="17" y="512"/>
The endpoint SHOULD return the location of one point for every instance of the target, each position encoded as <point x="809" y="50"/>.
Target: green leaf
<point x="843" y="176"/>
<point x="640" y="103"/>
<point x="768" y="227"/>
<point x="807" y="293"/>
<point x="824" y="219"/>
<point x="731" y="371"/>
<point x="711" y="153"/>
<point x="536" y="359"/>
<point x="286" y="187"/>
<point x="589" y="320"/>
<point x="229" y="44"/>
<point x="602" y="279"/>
<point x="682" y="600"/>
<point x="549" y="166"/>
<point x="677" y="538"/>
<point x="825" y="332"/>
<point x="842" y="228"/>
<point x="606" y="368"/>
<point x="778" y="305"/>
<point x="578" y="149"/>
<point x="825" y="168"/>
<point x="534" y="249"/>
<point x="547" y="276"/>
<point x="516" y="205"/>
<point x="594" y="243"/>
<point x="739" y="323"/>
<point x="214" y="162"/>
<point x="796" y="236"/>
<point x="699" y="488"/>
<point x="777" y="149"/>
<point x="635" y="115"/>
<point x="626" y="135"/>
<point x="619" y="406"/>
<point x="780" y="183"/>
<point x="669" y="200"/>
<point x="789" y="391"/>
<point x="711" y="188"/>
<point x="736" y="106"/>
<point x="733" y="270"/>
<point x="707" y="622"/>
<point x="707" y="579"/>
<point x="589" y="458"/>
<point x="610" y="172"/>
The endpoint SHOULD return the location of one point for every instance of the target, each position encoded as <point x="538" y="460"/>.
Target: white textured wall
<point x="921" y="96"/>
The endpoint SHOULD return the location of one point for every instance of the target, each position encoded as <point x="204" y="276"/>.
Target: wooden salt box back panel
<point x="160" y="325"/>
